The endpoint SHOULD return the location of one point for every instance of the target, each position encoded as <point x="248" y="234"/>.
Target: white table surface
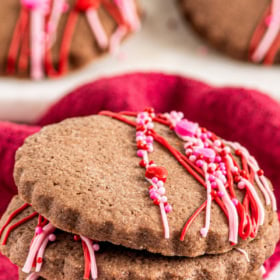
<point x="164" y="44"/>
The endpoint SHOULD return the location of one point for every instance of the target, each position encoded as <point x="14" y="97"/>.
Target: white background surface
<point x="164" y="44"/>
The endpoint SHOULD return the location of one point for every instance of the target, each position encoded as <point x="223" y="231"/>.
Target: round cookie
<point x="63" y="259"/>
<point x="236" y="28"/>
<point x="76" y="33"/>
<point x="83" y="175"/>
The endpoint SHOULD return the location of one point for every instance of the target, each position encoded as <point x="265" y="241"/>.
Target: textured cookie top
<point x="83" y="175"/>
<point x="63" y="259"/>
<point x="229" y="26"/>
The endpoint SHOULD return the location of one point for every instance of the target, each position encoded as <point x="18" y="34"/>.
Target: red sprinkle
<point x="260" y="172"/>
<point x="77" y="237"/>
<point x="143" y="163"/>
<point x="156" y="171"/>
<point x="156" y="201"/>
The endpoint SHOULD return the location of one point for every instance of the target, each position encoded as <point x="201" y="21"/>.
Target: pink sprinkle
<point x="241" y="185"/>
<point x="96" y="247"/>
<point x="38" y="230"/>
<point x="212" y="167"/>
<point x="203" y="136"/>
<point x="168" y="208"/>
<point x="154" y="180"/>
<point x="161" y="191"/>
<point x="218" y="159"/>
<point x="139" y="138"/>
<point x="180" y="115"/>
<point x="141" y="122"/>
<point x="211" y="178"/>
<point x="150" y="125"/>
<point x="209" y="134"/>
<point x="153" y="195"/>
<point x="192" y="158"/>
<point x="139" y="133"/>
<point x="188" y="152"/>
<point x="185" y="128"/>
<point x="220" y="194"/>
<point x="223" y="168"/>
<point x="142" y="115"/>
<point x="164" y="199"/>
<point x="235" y="201"/>
<point x="140" y="153"/>
<point x="234" y="169"/>
<point x="199" y="163"/>
<point x="214" y="185"/>
<point x="227" y="150"/>
<point x="207" y="153"/>
<point x="52" y="237"/>
<point x="160" y="184"/>
<point x="150" y="139"/>
<point x="217" y="143"/>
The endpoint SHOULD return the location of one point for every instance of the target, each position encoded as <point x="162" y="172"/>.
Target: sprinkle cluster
<point x="156" y="175"/>
<point x="214" y="159"/>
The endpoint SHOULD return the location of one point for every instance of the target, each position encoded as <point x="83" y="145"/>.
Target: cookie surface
<point x="256" y="275"/>
<point x="83" y="47"/>
<point x="63" y="258"/>
<point x="250" y="276"/>
<point x="228" y="26"/>
<point x="83" y="175"/>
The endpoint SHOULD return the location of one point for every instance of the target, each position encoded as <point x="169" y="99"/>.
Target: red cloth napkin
<point x="247" y="116"/>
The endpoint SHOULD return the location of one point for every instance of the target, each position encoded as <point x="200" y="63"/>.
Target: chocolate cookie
<point x="83" y="175"/>
<point x="247" y="30"/>
<point x="64" y="259"/>
<point x="48" y="38"/>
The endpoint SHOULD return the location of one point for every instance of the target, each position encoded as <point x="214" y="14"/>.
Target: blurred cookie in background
<point x="49" y="38"/>
<point x="246" y="30"/>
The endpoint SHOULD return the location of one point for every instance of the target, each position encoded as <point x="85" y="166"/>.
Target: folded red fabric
<point x="247" y="116"/>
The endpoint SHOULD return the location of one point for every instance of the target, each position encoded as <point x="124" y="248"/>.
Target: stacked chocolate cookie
<point x="138" y="196"/>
